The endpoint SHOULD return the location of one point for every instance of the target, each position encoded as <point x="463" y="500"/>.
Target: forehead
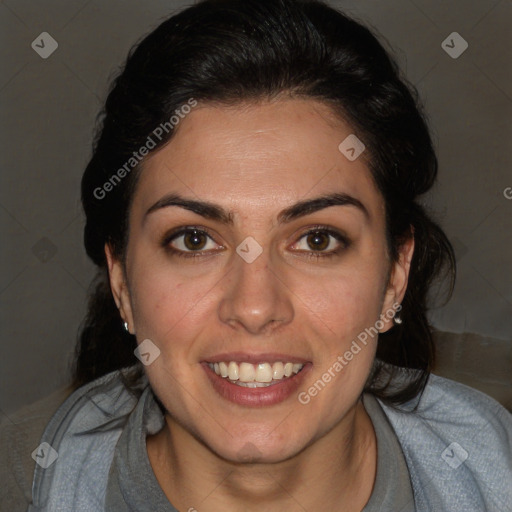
<point x="259" y="155"/>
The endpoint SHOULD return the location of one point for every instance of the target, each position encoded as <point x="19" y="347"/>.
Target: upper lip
<point x="244" y="357"/>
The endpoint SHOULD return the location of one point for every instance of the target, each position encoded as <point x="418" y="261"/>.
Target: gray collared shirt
<point x="132" y="485"/>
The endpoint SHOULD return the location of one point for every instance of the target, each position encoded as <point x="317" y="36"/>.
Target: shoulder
<point x="455" y="437"/>
<point x="457" y="407"/>
<point x="82" y="435"/>
<point x="448" y="402"/>
<point x="101" y="403"/>
<point x="449" y="409"/>
<point x="457" y="394"/>
<point x="20" y="433"/>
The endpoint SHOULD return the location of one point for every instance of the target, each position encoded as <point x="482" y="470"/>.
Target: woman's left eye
<point x="323" y="241"/>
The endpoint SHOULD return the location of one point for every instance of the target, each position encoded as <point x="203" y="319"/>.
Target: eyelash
<point x="180" y="232"/>
<point x="343" y="240"/>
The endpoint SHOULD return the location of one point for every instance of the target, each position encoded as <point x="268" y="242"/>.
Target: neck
<point x="337" y="470"/>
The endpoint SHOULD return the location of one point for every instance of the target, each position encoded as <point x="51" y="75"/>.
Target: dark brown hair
<point x="231" y="51"/>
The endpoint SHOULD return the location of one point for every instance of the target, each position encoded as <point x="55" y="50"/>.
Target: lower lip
<point x="255" y="397"/>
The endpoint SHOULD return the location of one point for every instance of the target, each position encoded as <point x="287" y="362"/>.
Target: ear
<point x="119" y="288"/>
<point x="397" y="283"/>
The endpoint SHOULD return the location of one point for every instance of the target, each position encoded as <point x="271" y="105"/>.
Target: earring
<point x="126" y="327"/>
<point x="398" y="320"/>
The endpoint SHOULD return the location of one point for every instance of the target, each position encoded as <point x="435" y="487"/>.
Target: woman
<point x="257" y="338"/>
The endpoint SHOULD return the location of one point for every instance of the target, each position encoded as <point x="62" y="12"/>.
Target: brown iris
<point x="194" y="240"/>
<point x="318" y="241"/>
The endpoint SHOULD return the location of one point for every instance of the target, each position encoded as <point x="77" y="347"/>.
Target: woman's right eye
<point x="188" y="241"/>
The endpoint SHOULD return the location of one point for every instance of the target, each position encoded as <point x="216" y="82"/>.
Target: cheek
<point x="342" y="304"/>
<point x="340" y="315"/>
<point x="168" y="306"/>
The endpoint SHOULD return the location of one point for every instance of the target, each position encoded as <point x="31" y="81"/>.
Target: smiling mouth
<point x="255" y="375"/>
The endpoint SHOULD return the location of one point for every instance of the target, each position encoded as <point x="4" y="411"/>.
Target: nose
<point x="255" y="298"/>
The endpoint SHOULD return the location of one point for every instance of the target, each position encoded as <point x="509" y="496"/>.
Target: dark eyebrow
<point x="300" y="209"/>
<point x="309" y="206"/>
<point x="203" y="208"/>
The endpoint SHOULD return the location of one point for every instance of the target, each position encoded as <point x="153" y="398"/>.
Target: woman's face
<point x="288" y="264"/>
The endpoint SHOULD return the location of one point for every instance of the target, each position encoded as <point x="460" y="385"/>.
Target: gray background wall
<point x="47" y="114"/>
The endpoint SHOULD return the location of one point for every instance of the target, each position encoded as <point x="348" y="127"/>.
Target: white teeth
<point x="252" y="376"/>
<point x="223" y="367"/>
<point x="278" y="371"/>
<point x="296" y="367"/>
<point x="246" y="372"/>
<point x="253" y="384"/>
<point x="263" y="373"/>
<point x="233" y="371"/>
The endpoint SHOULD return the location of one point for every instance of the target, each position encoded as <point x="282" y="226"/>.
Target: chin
<point x="255" y="451"/>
